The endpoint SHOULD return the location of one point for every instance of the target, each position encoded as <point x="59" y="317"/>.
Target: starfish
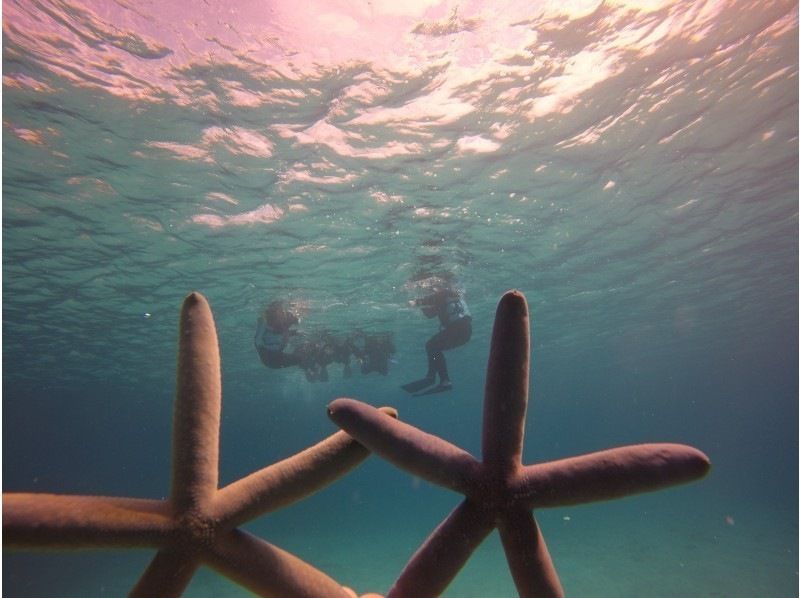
<point x="499" y="491"/>
<point x="198" y="522"/>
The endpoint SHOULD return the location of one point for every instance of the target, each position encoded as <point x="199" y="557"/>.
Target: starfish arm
<point x="72" y="521"/>
<point x="167" y="575"/>
<point x="444" y="553"/>
<point x="289" y="480"/>
<point x="506" y="394"/>
<point x="609" y="474"/>
<point x="409" y="448"/>
<point x="195" y="422"/>
<point x="528" y="557"/>
<point x="267" y="570"/>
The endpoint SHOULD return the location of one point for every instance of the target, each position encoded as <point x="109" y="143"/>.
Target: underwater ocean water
<point x="631" y="166"/>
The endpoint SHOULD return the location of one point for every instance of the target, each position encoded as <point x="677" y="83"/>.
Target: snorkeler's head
<point x="278" y="316"/>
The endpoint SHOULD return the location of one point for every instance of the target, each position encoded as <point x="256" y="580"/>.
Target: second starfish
<point x="501" y="492"/>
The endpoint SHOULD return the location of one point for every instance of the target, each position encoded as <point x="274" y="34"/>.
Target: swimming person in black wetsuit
<point x="272" y="335"/>
<point x="373" y="350"/>
<point x="316" y="351"/>
<point x="455" y="329"/>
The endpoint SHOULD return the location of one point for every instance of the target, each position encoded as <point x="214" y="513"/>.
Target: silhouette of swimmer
<point x="373" y="351"/>
<point x="314" y="352"/>
<point x="318" y="351"/>
<point x="455" y="329"/>
<point x="273" y="330"/>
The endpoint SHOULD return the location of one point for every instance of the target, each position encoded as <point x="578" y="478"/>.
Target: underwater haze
<point x="631" y="166"/>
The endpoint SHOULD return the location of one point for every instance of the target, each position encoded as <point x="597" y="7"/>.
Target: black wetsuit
<point x="455" y="330"/>
<point x="270" y="345"/>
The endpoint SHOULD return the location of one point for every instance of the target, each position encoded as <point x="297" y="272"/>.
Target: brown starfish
<point x="197" y="524"/>
<point x="501" y="492"/>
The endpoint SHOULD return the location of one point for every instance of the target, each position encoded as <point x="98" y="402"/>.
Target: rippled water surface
<point x="630" y="166"/>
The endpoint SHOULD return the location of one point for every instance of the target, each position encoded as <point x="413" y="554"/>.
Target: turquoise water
<point x="630" y="166"/>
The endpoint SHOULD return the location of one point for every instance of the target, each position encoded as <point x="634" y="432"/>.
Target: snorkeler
<point x="312" y="359"/>
<point x="273" y="330"/>
<point x="455" y="329"/>
<point x="315" y="353"/>
<point x="340" y="351"/>
<point x="373" y="351"/>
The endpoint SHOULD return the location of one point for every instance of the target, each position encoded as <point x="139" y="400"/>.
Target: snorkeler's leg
<point x="449" y="338"/>
<point x="444" y="380"/>
<point x="309" y="366"/>
<point x="432" y="349"/>
<point x="439" y="365"/>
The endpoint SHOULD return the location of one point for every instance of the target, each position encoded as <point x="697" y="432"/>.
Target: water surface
<point x="630" y="166"/>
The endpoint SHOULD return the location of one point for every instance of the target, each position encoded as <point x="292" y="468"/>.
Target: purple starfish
<point x="501" y="492"/>
<point x="198" y="523"/>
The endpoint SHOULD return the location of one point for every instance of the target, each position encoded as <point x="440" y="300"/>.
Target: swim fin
<point x="418" y="385"/>
<point x="435" y="389"/>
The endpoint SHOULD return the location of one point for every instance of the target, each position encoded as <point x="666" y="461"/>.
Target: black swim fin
<point x="418" y="385"/>
<point x="435" y="389"/>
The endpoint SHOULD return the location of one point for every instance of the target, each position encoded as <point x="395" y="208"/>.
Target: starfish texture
<point x="198" y="523"/>
<point x="499" y="491"/>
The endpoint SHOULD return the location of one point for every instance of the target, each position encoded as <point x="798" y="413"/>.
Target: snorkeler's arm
<point x="426" y="301"/>
<point x="430" y="312"/>
<point x="429" y="305"/>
